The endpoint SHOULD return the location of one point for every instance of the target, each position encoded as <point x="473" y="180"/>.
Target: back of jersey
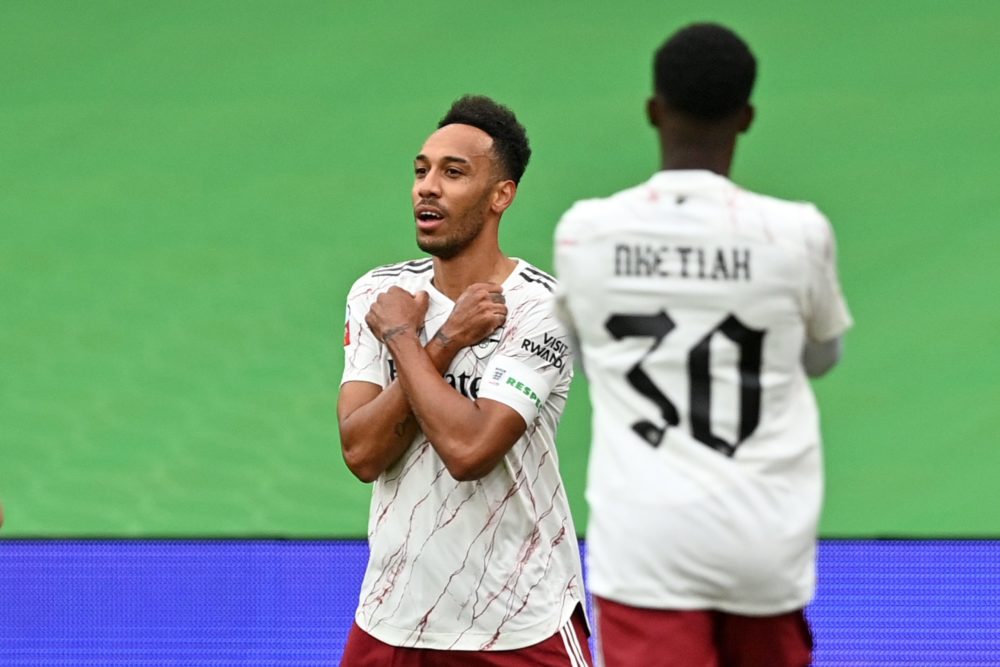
<point x="691" y="300"/>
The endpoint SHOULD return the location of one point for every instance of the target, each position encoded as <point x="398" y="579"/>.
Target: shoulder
<point x="531" y="282"/>
<point x="531" y="299"/>
<point x="797" y="212"/>
<point x="533" y="326"/>
<point x="799" y="221"/>
<point x="530" y="294"/>
<point x="587" y="217"/>
<point x="408" y="275"/>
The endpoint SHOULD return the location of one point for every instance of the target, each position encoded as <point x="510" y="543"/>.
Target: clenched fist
<point x="396" y="311"/>
<point x="479" y="311"/>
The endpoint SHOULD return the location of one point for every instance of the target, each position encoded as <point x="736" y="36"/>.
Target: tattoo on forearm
<point x="388" y="335"/>
<point x="400" y="427"/>
<point x="443" y="339"/>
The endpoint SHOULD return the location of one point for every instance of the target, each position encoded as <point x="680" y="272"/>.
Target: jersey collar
<point x="439" y="296"/>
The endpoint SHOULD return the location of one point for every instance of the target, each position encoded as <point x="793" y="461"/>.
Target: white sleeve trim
<point x="516" y="385"/>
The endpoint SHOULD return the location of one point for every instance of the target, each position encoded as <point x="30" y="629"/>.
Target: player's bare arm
<point x="376" y="425"/>
<point x="819" y="357"/>
<point x="470" y="436"/>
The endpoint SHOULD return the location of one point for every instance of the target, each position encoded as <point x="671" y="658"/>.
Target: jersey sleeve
<point x="364" y="355"/>
<point x="533" y="359"/>
<point x="827" y="314"/>
<point x="566" y="242"/>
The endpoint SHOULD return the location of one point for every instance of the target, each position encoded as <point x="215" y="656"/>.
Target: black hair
<point x="705" y="70"/>
<point x="510" y="141"/>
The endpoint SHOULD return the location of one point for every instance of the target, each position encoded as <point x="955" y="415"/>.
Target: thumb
<point x="422" y="298"/>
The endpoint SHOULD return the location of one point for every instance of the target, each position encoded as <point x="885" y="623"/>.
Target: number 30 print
<point x="657" y="326"/>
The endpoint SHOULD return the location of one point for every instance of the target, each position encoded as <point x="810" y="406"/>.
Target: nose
<point x="429" y="186"/>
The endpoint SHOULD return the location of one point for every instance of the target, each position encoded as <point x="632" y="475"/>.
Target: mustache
<point x="433" y="203"/>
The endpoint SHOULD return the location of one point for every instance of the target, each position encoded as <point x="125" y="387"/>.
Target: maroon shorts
<point x="566" y="648"/>
<point x="629" y="636"/>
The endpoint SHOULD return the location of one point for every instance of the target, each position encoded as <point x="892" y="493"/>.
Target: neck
<point x="717" y="158"/>
<point x="473" y="265"/>
<point x="692" y="143"/>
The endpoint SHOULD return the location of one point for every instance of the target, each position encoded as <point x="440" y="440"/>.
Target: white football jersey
<point x="691" y="300"/>
<point x="491" y="564"/>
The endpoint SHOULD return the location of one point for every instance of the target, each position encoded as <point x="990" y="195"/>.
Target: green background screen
<point x="188" y="189"/>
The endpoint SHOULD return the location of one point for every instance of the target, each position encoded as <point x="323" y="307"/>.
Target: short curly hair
<point x="510" y="141"/>
<point x="705" y="70"/>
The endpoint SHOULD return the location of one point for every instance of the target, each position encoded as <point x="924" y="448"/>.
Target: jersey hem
<point x="442" y="641"/>
<point x="667" y="602"/>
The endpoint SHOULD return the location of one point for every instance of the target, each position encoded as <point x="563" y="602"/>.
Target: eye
<point x="453" y="171"/>
<point x="419" y="171"/>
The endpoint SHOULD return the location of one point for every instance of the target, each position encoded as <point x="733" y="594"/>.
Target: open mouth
<point x="428" y="218"/>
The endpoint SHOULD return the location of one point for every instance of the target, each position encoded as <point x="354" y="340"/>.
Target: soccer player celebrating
<point x="456" y="374"/>
<point x="700" y="309"/>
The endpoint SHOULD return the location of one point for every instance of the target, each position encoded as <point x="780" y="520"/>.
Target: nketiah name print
<point x="661" y="261"/>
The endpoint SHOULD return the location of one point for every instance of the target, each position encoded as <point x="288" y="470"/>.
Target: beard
<point x="461" y="234"/>
<point x="442" y="248"/>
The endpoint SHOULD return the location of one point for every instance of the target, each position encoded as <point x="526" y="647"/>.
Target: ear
<point x="746" y="118"/>
<point x="503" y="196"/>
<point x="653" y="108"/>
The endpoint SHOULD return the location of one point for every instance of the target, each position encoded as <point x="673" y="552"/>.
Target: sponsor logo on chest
<point x="464" y="383"/>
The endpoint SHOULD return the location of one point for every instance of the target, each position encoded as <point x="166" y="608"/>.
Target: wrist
<point x="401" y="332"/>
<point x="444" y="341"/>
<point x="442" y="350"/>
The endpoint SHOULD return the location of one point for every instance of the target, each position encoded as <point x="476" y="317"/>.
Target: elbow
<point x="475" y="455"/>
<point x="471" y="465"/>
<point x="366" y="475"/>
<point x="819" y="358"/>
<point x="464" y="468"/>
<point x="359" y="455"/>
<point x="819" y="369"/>
<point x="362" y="469"/>
<point x="466" y="473"/>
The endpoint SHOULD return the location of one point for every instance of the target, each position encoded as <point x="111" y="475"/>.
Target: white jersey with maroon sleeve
<point x="691" y="300"/>
<point x="491" y="564"/>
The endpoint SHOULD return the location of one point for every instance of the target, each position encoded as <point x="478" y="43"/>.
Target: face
<point x="454" y="182"/>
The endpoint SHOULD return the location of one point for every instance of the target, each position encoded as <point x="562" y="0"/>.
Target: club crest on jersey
<point x="486" y="346"/>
